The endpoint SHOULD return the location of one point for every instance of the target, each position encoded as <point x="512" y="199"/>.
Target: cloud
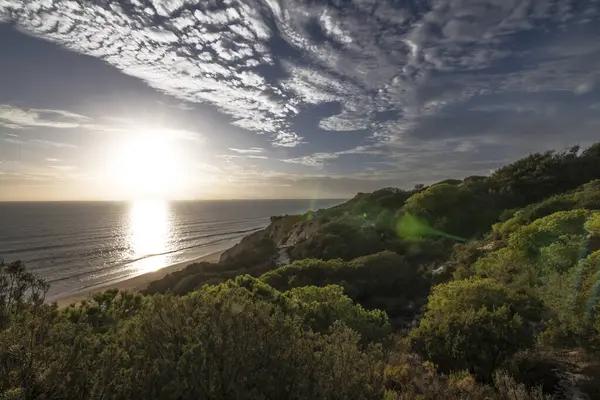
<point x="248" y="151"/>
<point x="20" y="118"/>
<point x="10" y="126"/>
<point x="587" y="86"/>
<point x="182" y="134"/>
<point x="128" y="126"/>
<point x="320" y="159"/>
<point x="182" y="56"/>
<point x="230" y="157"/>
<point x="16" y="118"/>
<point x="63" y="113"/>
<point x="206" y="167"/>
<point x="314" y="160"/>
<point x="287" y="139"/>
<point x="181" y="106"/>
<point x="371" y="56"/>
<point x="64" y="167"/>
<point x="12" y="138"/>
<point x="53" y="143"/>
<point x="417" y="82"/>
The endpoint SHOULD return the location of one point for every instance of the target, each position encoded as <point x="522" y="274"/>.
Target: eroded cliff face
<point x="256" y="254"/>
<point x="272" y="243"/>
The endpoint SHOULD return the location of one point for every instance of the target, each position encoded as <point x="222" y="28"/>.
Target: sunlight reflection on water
<point x="150" y="230"/>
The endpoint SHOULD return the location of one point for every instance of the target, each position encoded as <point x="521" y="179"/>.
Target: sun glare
<point x="149" y="234"/>
<point x="148" y="165"/>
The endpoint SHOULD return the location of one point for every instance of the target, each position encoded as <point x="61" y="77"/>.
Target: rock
<point x="283" y="257"/>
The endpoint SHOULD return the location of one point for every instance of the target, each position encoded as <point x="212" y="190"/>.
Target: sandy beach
<point x="136" y="283"/>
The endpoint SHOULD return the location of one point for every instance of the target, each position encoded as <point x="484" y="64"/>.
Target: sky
<point x="217" y="99"/>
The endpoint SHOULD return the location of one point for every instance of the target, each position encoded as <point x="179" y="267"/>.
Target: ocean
<point x="80" y="245"/>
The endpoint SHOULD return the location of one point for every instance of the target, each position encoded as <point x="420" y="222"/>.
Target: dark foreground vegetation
<point x="485" y="288"/>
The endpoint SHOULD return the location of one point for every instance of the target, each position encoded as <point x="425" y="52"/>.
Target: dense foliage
<point x="237" y="340"/>
<point x="475" y="324"/>
<point x="400" y="294"/>
<point x="482" y="288"/>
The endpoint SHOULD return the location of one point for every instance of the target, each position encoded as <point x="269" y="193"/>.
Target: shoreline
<point x="135" y="283"/>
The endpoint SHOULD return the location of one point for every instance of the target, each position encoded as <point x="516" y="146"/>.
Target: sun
<point x="148" y="165"/>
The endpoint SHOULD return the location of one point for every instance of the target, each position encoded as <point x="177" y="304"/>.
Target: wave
<point x="189" y="239"/>
<point x="49" y="232"/>
<point x="78" y="244"/>
<point x="133" y="260"/>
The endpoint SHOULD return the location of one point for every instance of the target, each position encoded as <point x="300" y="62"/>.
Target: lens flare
<point x="412" y="228"/>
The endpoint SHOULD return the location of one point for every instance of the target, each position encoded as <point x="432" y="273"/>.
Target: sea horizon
<point x="172" y="200"/>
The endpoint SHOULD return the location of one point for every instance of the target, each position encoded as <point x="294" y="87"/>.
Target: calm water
<point x="82" y="245"/>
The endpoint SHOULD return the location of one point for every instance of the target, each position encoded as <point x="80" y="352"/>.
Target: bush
<point x="549" y="245"/>
<point x="407" y="377"/>
<point x="475" y="324"/>
<point x="321" y="307"/>
<point x="230" y="346"/>
<point x="379" y="281"/>
<point x="318" y="307"/>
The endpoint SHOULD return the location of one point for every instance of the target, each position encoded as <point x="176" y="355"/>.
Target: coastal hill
<point x="480" y="288"/>
<point x="428" y="227"/>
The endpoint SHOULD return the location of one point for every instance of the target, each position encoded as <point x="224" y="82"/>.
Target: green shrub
<point x="475" y="324"/>
<point x="380" y="281"/>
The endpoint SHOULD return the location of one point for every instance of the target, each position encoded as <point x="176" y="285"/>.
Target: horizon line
<point x="170" y="200"/>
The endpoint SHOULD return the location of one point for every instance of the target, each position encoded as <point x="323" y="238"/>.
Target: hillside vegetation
<point x="482" y="288"/>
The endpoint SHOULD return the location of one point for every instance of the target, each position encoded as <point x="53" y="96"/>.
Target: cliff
<point x="271" y="244"/>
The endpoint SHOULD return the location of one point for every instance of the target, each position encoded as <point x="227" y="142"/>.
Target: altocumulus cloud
<point x="420" y="78"/>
